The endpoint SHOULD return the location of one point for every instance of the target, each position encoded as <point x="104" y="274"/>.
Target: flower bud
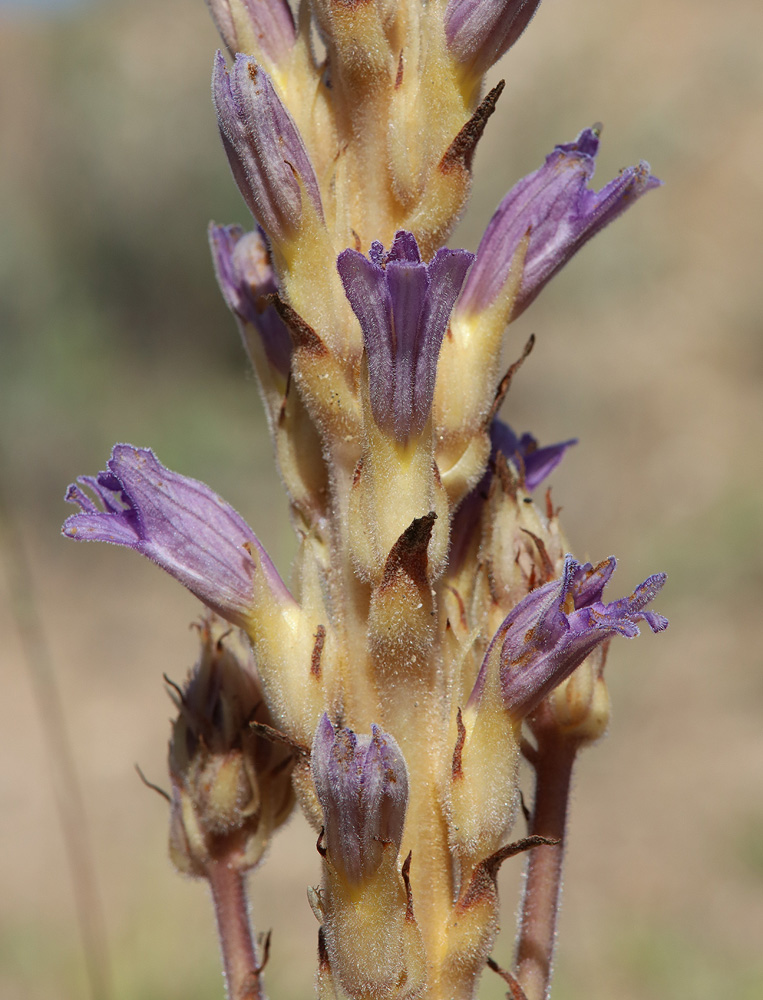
<point x="373" y="944"/>
<point x="265" y="150"/>
<point x="231" y="788"/>
<point x="263" y="28"/>
<point x="362" y="785"/>
<point x="246" y="279"/>
<point x="479" y="32"/>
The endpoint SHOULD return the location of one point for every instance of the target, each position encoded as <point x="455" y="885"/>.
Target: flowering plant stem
<point x="552" y="762"/>
<point x="435" y="610"/>
<point x="242" y="968"/>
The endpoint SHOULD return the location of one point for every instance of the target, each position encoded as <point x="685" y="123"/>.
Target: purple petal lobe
<point x="560" y="213"/>
<point x="548" y="634"/>
<point x="479" y="32"/>
<point x="362" y="785"/>
<point x="538" y="463"/>
<point x="403" y="307"/>
<point x="246" y="279"/>
<point x="404" y="247"/>
<point x="265" y="150"/>
<point x="180" y="524"/>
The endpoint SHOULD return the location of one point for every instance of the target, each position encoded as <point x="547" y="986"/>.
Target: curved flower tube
<point x="548" y="634"/>
<point x="180" y="524"/>
<point x="555" y="208"/>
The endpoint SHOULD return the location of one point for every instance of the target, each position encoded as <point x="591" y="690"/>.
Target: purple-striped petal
<point x="479" y="32"/>
<point x="559" y="212"/>
<point x="246" y="279"/>
<point x="270" y="23"/>
<point x="548" y="634"/>
<point x="403" y="307"/>
<point x="180" y="524"/>
<point x="265" y="150"/>
<point x="362" y="785"/>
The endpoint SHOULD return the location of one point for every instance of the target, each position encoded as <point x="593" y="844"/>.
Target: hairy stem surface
<point x="535" y="951"/>
<point x="242" y="969"/>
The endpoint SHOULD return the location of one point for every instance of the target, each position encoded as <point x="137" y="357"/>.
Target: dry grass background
<point x="649" y="349"/>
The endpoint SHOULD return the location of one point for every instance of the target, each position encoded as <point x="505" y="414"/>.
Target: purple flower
<point x="268" y="23"/>
<point x="265" y="150"/>
<point x="246" y="279"/>
<point x="479" y="32"/>
<point x="362" y="785"/>
<point x="180" y="524"/>
<point x="538" y="462"/>
<point x="548" y="634"/>
<point x="403" y="307"/>
<point x="559" y="212"/>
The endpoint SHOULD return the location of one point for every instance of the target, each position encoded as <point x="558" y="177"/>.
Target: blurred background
<point x="649" y="350"/>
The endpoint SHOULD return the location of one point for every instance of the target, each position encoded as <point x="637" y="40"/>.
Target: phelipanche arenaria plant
<point x="435" y="629"/>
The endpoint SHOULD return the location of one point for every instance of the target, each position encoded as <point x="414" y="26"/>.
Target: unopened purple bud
<point x="558" y="213"/>
<point x="268" y="23"/>
<point x="479" y="32"/>
<point x="180" y="524"/>
<point x="538" y="462"/>
<point x="403" y="307"/>
<point x="362" y="785"/>
<point x="265" y="150"/>
<point x="246" y="279"/>
<point x="548" y="634"/>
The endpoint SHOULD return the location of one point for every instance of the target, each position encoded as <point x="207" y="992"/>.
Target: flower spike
<point x="178" y="523"/>
<point x="433" y="594"/>
<point x="403" y="307"/>
<point x="548" y="634"/>
<point x="559" y="212"/>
